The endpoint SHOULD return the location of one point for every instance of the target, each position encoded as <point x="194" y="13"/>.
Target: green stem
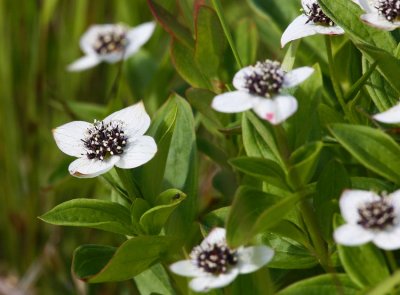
<point x="315" y="234"/>
<point x="283" y="144"/>
<point x="218" y="8"/>
<point x="305" y="207"/>
<point x="392" y="260"/>
<point x="336" y="86"/>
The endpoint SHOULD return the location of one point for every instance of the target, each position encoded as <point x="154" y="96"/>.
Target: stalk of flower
<point x="111" y="43"/>
<point x="382" y="14"/>
<point x="117" y="140"/>
<point x="369" y="218"/>
<point x="260" y="87"/>
<point x="213" y="264"/>
<point x="313" y="21"/>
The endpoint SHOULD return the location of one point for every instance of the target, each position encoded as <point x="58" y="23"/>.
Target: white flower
<point x="214" y="265"/>
<point x="382" y="14"/>
<point x="111" y="43"/>
<point x="390" y="116"/>
<point x="369" y="217"/>
<point x="259" y="88"/>
<point x="312" y="21"/>
<point x="117" y="140"/>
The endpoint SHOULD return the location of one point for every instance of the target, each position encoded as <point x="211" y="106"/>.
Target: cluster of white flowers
<point x="213" y="264"/>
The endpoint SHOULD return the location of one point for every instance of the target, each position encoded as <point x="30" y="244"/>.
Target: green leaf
<point x="254" y="212"/>
<point x="258" y="139"/>
<point x="331" y="183"/>
<point x="155" y="280"/>
<point x="246" y="39"/>
<point x="379" y="89"/>
<point x="138" y="208"/>
<point x="99" y="214"/>
<point x="201" y="99"/>
<point x="304" y="161"/>
<point x="351" y="22"/>
<point x="216" y="218"/>
<point x="288" y="253"/>
<point x="97" y="263"/>
<point x="183" y="60"/>
<point x="327" y="284"/>
<point x="210" y="41"/>
<point x="264" y="169"/>
<point x="388" y="65"/>
<point x="182" y="169"/>
<point x="364" y="264"/>
<point x="371" y="147"/>
<point x="304" y="125"/>
<point x="171" y="24"/>
<point x="154" y="219"/>
<point x="149" y="177"/>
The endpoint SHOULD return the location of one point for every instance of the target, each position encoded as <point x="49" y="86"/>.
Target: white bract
<point x="259" y="88"/>
<point x="313" y="21"/>
<point x="382" y="14"/>
<point x="117" y="140"/>
<point x="214" y="265"/>
<point x="111" y="43"/>
<point x="370" y="218"/>
<point x="390" y="116"/>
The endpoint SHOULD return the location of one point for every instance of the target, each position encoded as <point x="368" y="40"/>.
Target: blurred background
<point x="38" y="40"/>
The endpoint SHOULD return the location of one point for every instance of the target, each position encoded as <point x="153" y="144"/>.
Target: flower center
<point x="104" y="140"/>
<point x="390" y="9"/>
<point x="113" y="41"/>
<point x="317" y="16"/>
<point x="214" y="258"/>
<point x="377" y="215"/>
<point x="266" y="78"/>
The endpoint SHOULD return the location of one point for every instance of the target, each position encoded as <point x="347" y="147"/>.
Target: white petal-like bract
<point x="378" y="21"/>
<point x="135" y="118"/>
<point x="83" y="63"/>
<point x="139" y="151"/>
<point x="352" y="235"/>
<point x="86" y="168"/>
<point x="69" y="136"/>
<point x="297" y="76"/>
<point x="253" y="258"/>
<point x="206" y="283"/>
<point x="138" y="36"/>
<point x="390" y="116"/>
<point x="233" y="102"/>
<point x="277" y="109"/>
<point x="186" y="268"/>
<point x="297" y="29"/>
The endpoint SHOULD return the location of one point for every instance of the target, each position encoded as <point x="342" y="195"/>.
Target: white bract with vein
<point x="117" y="140"/>
<point x="111" y="43"/>
<point x="213" y="264"/>
<point x="369" y="218"/>
<point x="313" y="21"/>
<point x="260" y="88"/>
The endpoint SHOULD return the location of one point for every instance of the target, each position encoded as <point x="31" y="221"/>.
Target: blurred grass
<point x="36" y="94"/>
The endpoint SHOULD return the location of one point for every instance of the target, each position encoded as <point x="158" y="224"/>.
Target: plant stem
<point x="305" y="207"/>
<point x="392" y="260"/>
<point x="336" y="86"/>
<point x="218" y="8"/>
